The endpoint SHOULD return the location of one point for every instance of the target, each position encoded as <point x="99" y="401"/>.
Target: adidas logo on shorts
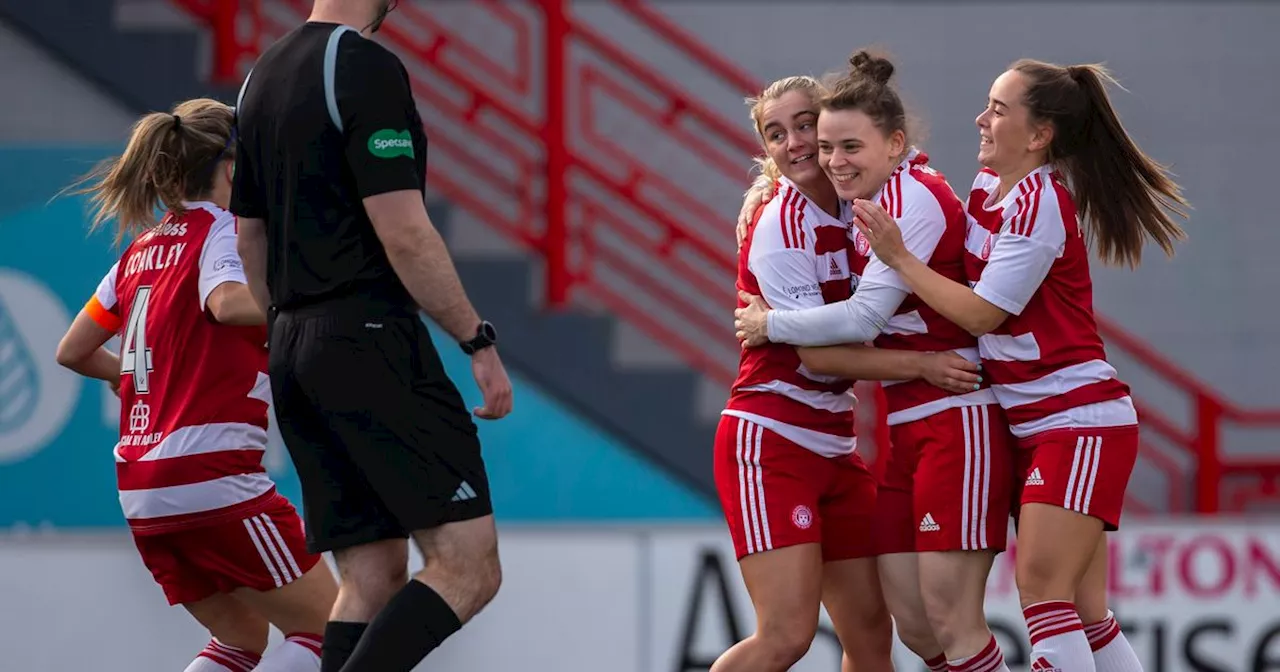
<point x="1034" y="477"/>
<point x="464" y="493"/>
<point x="928" y="524"/>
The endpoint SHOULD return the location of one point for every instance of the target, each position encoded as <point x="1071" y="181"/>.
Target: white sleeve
<point x="1024" y="253"/>
<point x="219" y="261"/>
<point x="106" y="291"/>
<point x="858" y="319"/>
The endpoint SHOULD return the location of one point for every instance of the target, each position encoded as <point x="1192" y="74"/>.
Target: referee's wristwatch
<point x="485" y="336"/>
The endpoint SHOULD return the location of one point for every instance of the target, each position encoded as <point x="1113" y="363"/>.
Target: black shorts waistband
<point x="355" y="305"/>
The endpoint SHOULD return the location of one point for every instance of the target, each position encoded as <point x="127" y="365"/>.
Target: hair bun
<point x="876" y="68"/>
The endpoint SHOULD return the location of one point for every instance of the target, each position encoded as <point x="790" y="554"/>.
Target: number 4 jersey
<point x="194" y="393"/>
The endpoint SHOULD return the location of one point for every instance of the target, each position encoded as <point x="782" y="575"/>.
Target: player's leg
<point x="1081" y="484"/>
<point x="770" y="501"/>
<point x="238" y="635"/>
<point x="894" y="535"/>
<point x="851" y="589"/>
<point x="419" y="452"/>
<point x="1112" y="651"/>
<point x="962" y="492"/>
<point x="300" y="608"/>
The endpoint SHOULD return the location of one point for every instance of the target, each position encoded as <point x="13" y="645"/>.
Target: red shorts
<point x="261" y="552"/>
<point x="777" y="494"/>
<point x="947" y="483"/>
<point x="1084" y="470"/>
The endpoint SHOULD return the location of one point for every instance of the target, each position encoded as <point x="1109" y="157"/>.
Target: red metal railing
<point x="603" y="235"/>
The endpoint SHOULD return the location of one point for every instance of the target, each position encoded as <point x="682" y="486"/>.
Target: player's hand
<point x="751" y="323"/>
<point x="759" y="194"/>
<point x="950" y="372"/>
<point x="494" y="385"/>
<point x="881" y="231"/>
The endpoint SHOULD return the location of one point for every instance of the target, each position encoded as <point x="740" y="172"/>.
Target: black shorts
<point x="378" y="433"/>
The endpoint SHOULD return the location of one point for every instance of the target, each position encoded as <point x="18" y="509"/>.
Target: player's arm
<point x="376" y="106"/>
<point x="881" y="292"/>
<point x="1019" y="263"/>
<point x="788" y="281"/>
<point x="223" y="284"/>
<point x="81" y="348"/>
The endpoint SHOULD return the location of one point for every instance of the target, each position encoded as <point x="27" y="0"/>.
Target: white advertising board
<point x="1192" y="596"/>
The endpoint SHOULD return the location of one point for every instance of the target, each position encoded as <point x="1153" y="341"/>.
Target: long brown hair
<point x="170" y="157"/>
<point x="1122" y="195"/>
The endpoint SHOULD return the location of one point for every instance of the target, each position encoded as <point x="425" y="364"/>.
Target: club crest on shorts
<point x="802" y="517"/>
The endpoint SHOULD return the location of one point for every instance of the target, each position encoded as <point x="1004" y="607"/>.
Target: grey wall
<point x="46" y="102"/>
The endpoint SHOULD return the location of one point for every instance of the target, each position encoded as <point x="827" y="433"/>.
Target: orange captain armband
<point x="103" y="317"/>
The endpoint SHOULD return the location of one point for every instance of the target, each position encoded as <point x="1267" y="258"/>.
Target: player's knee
<point x="1041" y="578"/>
<point x="916" y="634"/>
<point x="786" y="643"/>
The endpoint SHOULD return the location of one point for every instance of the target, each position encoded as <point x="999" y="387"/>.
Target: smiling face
<point x="857" y="156"/>
<point x="789" y="131"/>
<point x="1009" y="139"/>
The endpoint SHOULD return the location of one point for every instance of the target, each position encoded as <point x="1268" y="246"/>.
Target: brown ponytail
<point x="170" y="157"/>
<point x="1122" y="195"/>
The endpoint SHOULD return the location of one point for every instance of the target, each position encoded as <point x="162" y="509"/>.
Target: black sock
<point x="340" y="639"/>
<point x="413" y="624"/>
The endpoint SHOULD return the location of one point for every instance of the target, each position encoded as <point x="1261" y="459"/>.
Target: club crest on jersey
<point x="861" y="244"/>
<point x="802" y="517"/>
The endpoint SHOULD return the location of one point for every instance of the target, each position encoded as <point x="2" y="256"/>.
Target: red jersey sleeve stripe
<point x="103" y="317"/>
<point x="796" y="217"/>
<point x="897" y="189"/>
<point x="782" y="218"/>
<point x="1036" y="190"/>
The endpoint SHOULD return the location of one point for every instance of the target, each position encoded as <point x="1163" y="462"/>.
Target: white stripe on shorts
<point x="284" y="548"/>
<point x="266" y="558"/>
<point x="755" y="516"/>
<point x="977" y="477"/>
<point x="1084" y="473"/>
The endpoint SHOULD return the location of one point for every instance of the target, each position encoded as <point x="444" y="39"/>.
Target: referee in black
<point x="335" y="239"/>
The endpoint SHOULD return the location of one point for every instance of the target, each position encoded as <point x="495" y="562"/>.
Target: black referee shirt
<point x="325" y="119"/>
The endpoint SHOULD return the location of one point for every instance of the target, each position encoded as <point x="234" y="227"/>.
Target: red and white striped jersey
<point x="795" y="256"/>
<point x="1026" y="255"/>
<point x="194" y="394"/>
<point x="933" y="224"/>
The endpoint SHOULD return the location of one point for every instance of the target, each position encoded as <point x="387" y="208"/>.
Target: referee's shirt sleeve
<point x="377" y="109"/>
